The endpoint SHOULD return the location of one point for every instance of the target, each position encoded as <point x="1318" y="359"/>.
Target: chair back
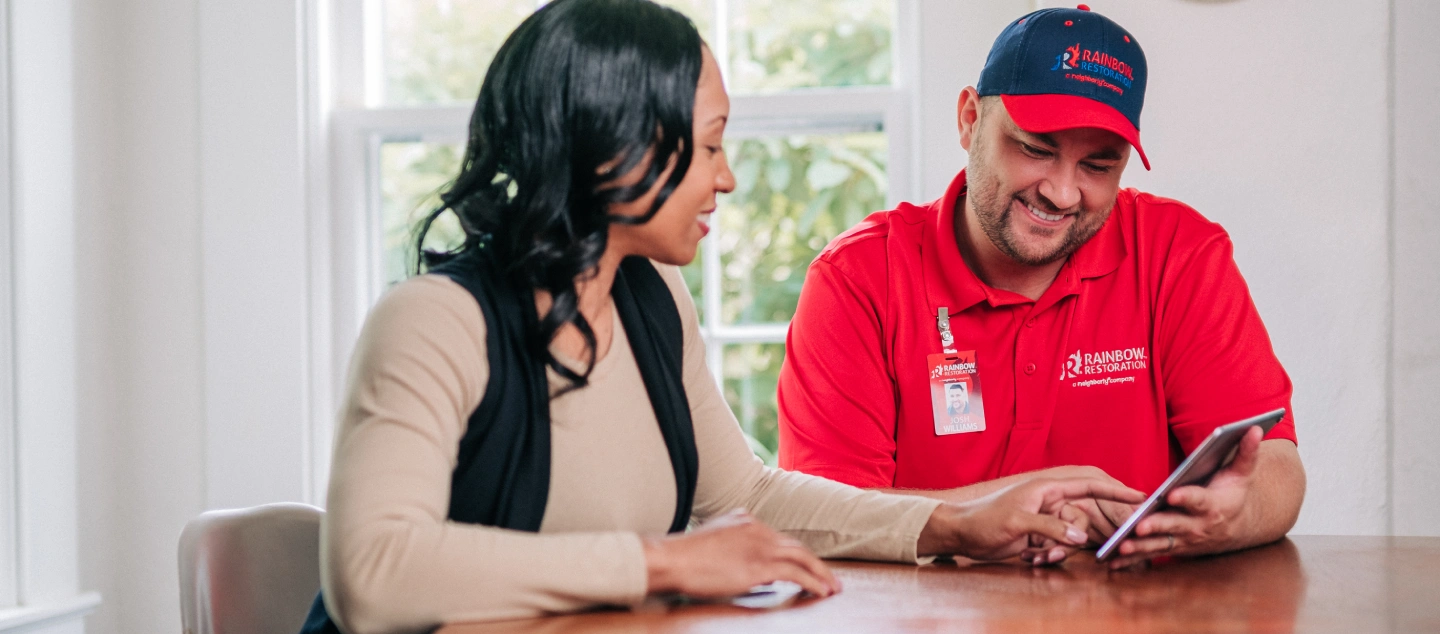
<point x="250" y="571"/>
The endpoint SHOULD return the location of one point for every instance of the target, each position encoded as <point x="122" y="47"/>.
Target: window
<point x="818" y="139"/>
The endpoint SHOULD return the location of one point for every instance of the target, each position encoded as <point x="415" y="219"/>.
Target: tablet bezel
<point x="1222" y="443"/>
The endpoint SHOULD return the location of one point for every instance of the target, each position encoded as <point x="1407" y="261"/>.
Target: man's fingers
<point x="1044" y="556"/>
<point x="1136" y="550"/>
<point x="1248" y="455"/>
<point x="1115" y="514"/>
<point x="1053" y="528"/>
<point x="1153" y="545"/>
<point x="1169" y="524"/>
<point x="1193" y="499"/>
<point x="1079" y="516"/>
<point x="1121" y="563"/>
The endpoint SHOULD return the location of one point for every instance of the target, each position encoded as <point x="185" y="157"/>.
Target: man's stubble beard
<point x="992" y="210"/>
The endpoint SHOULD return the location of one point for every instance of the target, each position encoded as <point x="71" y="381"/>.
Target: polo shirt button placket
<point x="1030" y="368"/>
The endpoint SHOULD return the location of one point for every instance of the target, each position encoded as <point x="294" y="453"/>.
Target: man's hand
<point x="1237" y="509"/>
<point x="1100" y="517"/>
<point x="1018" y="519"/>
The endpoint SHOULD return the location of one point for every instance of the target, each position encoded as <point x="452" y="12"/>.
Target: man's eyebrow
<point x="722" y="119"/>
<point x="1107" y="154"/>
<point x="1044" y="138"/>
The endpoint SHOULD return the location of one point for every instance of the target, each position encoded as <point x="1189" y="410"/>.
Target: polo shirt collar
<point x="949" y="282"/>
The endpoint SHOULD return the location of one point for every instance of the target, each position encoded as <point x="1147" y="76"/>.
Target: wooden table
<point x="1302" y="584"/>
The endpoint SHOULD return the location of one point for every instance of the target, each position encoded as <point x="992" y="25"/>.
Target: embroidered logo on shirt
<point x="1102" y="368"/>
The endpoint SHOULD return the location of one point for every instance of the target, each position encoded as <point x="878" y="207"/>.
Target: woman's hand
<point x="1018" y="520"/>
<point x="729" y="555"/>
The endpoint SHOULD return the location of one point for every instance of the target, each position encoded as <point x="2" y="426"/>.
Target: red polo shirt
<point x="1146" y="341"/>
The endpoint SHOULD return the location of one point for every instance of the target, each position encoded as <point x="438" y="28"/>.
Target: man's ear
<point x="968" y="115"/>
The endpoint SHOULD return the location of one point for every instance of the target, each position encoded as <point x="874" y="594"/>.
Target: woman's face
<point x="673" y="234"/>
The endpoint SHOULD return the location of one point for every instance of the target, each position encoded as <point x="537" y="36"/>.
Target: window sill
<point x="54" y="612"/>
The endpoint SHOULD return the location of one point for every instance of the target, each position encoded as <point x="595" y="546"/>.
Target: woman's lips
<point x="704" y="221"/>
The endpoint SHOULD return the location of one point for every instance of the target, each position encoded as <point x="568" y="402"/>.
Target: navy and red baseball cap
<point x="1057" y="69"/>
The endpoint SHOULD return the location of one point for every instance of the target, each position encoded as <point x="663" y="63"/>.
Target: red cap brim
<point x="1049" y="113"/>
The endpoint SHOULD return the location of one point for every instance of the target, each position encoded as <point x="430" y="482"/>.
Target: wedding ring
<point x="1172" y="543"/>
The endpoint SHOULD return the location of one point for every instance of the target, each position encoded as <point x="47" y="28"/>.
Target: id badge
<point x="955" y="393"/>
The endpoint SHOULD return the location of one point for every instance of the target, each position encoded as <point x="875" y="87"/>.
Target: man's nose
<point x="1060" y="189"/>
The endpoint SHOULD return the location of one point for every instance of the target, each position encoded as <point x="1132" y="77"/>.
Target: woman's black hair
<point x="581" y="93"/>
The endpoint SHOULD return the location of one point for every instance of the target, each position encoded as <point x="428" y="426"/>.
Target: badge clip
<point x="942" y="321"/>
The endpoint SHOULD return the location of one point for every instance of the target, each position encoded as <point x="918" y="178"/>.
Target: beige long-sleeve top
<point x="392" y="562"/>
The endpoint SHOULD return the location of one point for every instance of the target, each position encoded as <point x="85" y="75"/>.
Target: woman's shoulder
<point x="427" y="318"/>
<point x="428" y="300"/>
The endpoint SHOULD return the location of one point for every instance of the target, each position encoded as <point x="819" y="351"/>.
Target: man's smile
<point x="1042" y="218"/>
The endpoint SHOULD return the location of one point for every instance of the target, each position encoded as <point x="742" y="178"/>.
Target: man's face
<point x="956" y="398"/>
<point x="1039" y="197"/>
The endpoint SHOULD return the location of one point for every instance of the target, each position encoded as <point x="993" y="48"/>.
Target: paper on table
<point x="762" y="597"/>
<point x="770" y="595"/>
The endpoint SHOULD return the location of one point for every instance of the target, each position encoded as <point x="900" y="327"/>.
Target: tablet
<point x="1213" y="454"/>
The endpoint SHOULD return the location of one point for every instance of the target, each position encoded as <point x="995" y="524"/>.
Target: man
<point x="1106" y="329"/>
<point x="958" y="400"/>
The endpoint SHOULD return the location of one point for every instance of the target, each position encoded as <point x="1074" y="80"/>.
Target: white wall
<point x="1270" y="116"/>
<point x="1415" y="349"/>
<point x="254" y="245"/>
<point x="1245" y="122"/>
<point x="194" y="259"/>
<point x="142" y="430"/>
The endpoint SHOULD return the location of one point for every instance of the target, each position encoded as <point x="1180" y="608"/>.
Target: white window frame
<point x="9" y="492"/>
<point x="356" y="129"/>
<point x="39" y="548"/>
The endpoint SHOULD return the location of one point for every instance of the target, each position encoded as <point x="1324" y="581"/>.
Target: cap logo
<point x="1063" y="60"/>
<point x="1099" y="66"/>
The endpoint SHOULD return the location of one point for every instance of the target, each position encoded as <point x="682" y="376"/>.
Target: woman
<point x="530" y="428"/>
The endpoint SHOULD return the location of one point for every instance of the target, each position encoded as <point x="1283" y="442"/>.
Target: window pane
<point x="751" y="374"/>
<point x="701" y="12"/>
<point x="809" y="43"/>
<point x="436" y="51"/>
<point x="792" y="195"/>
<point x="411" y="177"/>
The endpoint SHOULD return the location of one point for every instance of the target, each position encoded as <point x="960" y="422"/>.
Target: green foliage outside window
<point x="412" y="175"/>
<point x="780" y="45"/>
<point x="436" y="51"/>
<point x="793" y="195"/>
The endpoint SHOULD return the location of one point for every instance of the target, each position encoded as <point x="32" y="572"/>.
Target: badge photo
<point x="955" y="393"/>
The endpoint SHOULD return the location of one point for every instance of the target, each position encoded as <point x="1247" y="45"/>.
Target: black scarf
<point x="502" y="472"/>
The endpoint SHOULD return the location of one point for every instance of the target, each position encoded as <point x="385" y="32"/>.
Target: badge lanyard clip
<point x="942" y="321"/>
